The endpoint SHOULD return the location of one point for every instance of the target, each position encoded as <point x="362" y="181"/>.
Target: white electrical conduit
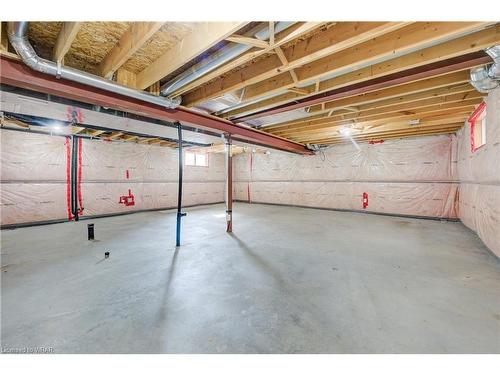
<point x="18" y="37"/>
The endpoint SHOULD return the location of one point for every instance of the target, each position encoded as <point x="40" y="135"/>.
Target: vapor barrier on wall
<point x="479" y="174"/>
<point x="34" y="178"/>
<point x="415" y="177"/>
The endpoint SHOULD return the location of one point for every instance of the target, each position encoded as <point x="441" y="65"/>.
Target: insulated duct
<point x="18" y="37"/>
<point x="486" y="78"/>
<point x="494" y="53"/>
<point x="217" y="59"/>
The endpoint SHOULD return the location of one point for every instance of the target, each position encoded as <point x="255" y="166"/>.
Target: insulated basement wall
<point x="479" y="174"/>
<point x="34" y="171"/>
<point x="414" y="176"/>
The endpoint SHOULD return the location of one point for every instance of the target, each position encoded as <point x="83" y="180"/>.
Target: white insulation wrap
<point x="110" y="169"/>
<point x="33" y="177"/>
<point x="34" y="180"/>
<point x="479" y="174"/>
<point x="414" y="177"/>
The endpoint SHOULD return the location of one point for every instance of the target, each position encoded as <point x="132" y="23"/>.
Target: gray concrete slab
<point x="289" y="280"/>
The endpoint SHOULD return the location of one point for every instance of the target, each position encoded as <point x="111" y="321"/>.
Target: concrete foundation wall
<point x="479" y="175"/>
<point x="34" y="177"/>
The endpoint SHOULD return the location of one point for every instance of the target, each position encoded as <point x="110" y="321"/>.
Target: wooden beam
<point x="340" y="36"/>
<point x="438" y="130"/>
<point x="76" y="129"/>
<point x="423" y="129"/>
<point x="434" y="117"/>
<point x="466" y="44"/>
<point x="438" y="86"/>
<point x="293" y="32"/>
<point x="4" y="39"/>
<point x="65" y="39"/>
<point x="126" y="78"/>
<point x="406" y="111"/>
<point x="115" y="135"/>
<point x="203" y="36"/>
<point x="95" y="133"/>
<point x="254" y="42"/>
<point x="154" y="88"/>
<point x="131" y="41"/>
<point x="271" y="34"/>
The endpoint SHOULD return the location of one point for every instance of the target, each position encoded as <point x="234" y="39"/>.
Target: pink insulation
<point x="479" y="174"/>
<point x="34" y="177"/>
<point x="414" y="176"/>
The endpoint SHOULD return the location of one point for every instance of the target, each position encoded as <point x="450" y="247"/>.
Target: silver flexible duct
<point x="217" y="59"/>
<point x="487" y="77"/>
<point x="494" y="53"/>
<point x="18" y="31"/>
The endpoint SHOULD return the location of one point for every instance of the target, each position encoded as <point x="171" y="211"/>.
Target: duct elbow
<point x="174" y="102"/>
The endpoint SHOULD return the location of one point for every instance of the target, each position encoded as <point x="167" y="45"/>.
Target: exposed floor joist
<point x="65" y="39"/>
<point x="204" y="36"/>
<point x="336" y="38"/>
<point x="133" y="39"/>
<point x="467" y="44"/>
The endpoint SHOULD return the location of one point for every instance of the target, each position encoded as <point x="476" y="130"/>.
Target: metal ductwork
<point x="494" y="53"/>
<point x="217" y="59"/>
<point x="18" y="37"/>
<point x="486" y="78"/>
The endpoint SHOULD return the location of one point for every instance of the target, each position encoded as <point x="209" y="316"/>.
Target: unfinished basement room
<point x="265" y="187"/>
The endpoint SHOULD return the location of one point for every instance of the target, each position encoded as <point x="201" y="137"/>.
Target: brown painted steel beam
<point x="16" y="73"/>
<point x="426" y="71"/>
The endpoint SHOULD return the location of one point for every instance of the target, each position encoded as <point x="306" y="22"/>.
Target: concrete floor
<point x="289" y="280"/>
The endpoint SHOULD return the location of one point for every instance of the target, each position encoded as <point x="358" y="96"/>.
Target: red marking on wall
<point x="365" y="200"/>
<point x="127" y="174"/>
<point x="248" y="184"/>
<point x="68" y="178"/>
<point x="128" y="200"/>
<point x="80" y="196"/>
<point x="472" y="120"/>
<point x="74" y="115"/>
<point x="376" y="142"/>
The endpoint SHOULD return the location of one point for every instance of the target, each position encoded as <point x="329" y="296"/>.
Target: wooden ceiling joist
<point x="286" y="36"/>
<point x="254" y="42"/>
<point x="452" y="128"/>
<point x="442" y="85"/>
<point x="204" y="36"/>
<point x="426" y="105"/>
<point x="375" y="120"/>
<point x="466" y="44"/>
<point x="130" y="42"/>
<point x="435" y="118"/>
<point x="65" y="38"/>
<point x="336" y="38"/>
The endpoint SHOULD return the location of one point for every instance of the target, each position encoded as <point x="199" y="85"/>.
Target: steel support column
<point x="229" y="183"/>
<point x="180" y="214"/>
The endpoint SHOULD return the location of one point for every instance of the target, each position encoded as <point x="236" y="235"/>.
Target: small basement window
<point x="196" y="159"/>
<point x="478" y="127"/>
